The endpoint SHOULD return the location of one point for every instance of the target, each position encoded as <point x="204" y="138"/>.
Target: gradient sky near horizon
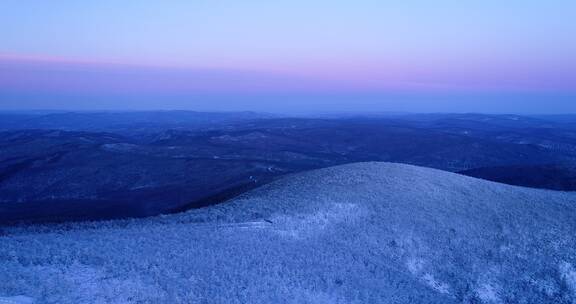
<point x="443" y="55"/>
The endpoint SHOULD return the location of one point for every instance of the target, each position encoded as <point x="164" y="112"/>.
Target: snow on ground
<point x="360" y="233"/>
<point x="16" y="300"/>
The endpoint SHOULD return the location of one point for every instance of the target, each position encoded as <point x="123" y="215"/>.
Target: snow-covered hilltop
<point x="360" y="233"/>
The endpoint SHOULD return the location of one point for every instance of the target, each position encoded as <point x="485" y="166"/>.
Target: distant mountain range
<point x="100" y="165"/>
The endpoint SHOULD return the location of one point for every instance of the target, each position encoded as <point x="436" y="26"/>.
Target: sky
<point x="298" y="55"/>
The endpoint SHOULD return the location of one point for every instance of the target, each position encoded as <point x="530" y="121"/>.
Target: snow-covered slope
<point x="360" y="233"/>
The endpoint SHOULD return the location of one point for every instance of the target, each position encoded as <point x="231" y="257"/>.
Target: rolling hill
<point x="357" y="233"/>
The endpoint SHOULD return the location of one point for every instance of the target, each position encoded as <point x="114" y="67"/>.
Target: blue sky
<point x="288" y="48"/>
